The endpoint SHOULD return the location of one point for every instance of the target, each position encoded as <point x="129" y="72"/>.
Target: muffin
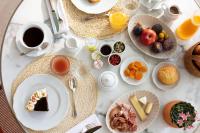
<point x="168" y="75"/>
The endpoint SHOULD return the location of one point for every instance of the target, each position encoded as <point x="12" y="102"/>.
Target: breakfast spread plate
<point x="152" y="37"/>
<point x="166" y="76"/>
<point x="41" y="102"/>
<point x="134" y="70"/>
<point x="94" y="6"/>
<point x="139" y="108"/>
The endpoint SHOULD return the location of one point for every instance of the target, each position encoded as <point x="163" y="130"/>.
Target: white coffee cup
<point x="169" y="13"/>
<point x="45" y="32"/>
<point x="149" y="5"/>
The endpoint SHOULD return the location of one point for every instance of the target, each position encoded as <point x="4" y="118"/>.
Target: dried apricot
<point x="131" y="66"/>
<point x="132" y="74"/>
<point x="127" y="72"/>
<point x="143" y="69"/>
<point x="138" y="64"/>
<point x="138" y="75"/>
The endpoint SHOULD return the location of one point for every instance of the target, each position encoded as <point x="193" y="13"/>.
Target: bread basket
<point x="189" y="59"/>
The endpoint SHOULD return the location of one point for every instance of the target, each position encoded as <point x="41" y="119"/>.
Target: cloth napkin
<point x="81" y="127"/>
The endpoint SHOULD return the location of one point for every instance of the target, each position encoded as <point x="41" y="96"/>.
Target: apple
<point x="148" y="37"/>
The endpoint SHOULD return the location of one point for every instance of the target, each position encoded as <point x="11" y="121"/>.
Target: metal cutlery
<point x="73" y="86"/>
<point x="41" y="47"/>
<point x="54" y="15"/>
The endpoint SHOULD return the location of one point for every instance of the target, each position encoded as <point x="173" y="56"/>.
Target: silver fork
<point x="73" y="86"/>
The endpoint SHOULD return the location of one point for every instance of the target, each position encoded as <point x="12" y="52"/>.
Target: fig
<point x="157" y="28"/>
<point x="157" y="47"/>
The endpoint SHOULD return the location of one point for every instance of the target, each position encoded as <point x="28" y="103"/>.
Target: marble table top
<point x="187" y="89"/>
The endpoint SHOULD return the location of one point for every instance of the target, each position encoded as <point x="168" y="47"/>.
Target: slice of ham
<point x="123" y="118"/>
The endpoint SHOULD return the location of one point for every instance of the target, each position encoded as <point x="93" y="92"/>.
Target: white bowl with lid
<point x="108" y="80"/>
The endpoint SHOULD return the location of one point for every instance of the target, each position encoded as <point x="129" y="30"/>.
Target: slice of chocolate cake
<point x="38" y="101"/>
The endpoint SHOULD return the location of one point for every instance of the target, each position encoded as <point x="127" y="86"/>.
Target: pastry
<point x="38" y="101"/>
<point x="168" y="75"/>
<point x="94" y="1"/>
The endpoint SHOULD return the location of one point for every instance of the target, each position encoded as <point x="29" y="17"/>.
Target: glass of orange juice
<point x="189" y="27"/>
<point x="118" y="20"/>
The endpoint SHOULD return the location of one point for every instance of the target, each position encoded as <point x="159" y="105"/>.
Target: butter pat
<point x="148" y="108"/>
<point x="143" y="100"/>
<point x="138" y="108"/>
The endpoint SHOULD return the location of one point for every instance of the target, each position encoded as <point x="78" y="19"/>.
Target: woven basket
<point x="188" y="61"/>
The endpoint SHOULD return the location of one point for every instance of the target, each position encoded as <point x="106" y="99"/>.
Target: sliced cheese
<point x="148" y="108"/>
<point x="138" y="108"/>
<point x="143" y="100"/>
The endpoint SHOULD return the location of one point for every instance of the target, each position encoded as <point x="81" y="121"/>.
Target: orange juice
<point x="188" y="28"/>
<point x="118" y="20"/>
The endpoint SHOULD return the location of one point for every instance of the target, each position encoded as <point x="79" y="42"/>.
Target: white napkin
<point x="92" y="119"/>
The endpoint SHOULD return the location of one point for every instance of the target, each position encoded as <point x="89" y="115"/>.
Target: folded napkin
<point x="89" y="125"/>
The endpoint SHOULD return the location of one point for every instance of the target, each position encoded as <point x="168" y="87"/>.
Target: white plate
<point x="149" y="21"/>
<point x="58" y="101"/>
<point x="94" y="8"/>
<point x="125" y="64"/>
<point x="125" y="99"/>
<point x="155" y="77"/>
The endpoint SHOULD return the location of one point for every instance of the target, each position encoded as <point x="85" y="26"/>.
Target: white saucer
<point x="124" y="66"/>
<point x="157" y="82"/>
<point x="36" y="53"/>
<point x="58" y="101"/>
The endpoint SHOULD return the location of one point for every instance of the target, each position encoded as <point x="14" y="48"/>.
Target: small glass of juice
<point x="118" y="20"/>
<point x="189" y="27"/>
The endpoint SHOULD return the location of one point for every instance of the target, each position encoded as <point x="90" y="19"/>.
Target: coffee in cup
<point x="33" y="37"/>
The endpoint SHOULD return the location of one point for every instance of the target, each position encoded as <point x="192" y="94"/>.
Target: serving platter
<point x="125" y="99"/>
<point x="149" y="21"/>
<point x="58" y="101"/>
<point x="94" y="8"/>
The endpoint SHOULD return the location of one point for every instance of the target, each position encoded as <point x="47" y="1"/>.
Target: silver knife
<point x="55" y="18"/>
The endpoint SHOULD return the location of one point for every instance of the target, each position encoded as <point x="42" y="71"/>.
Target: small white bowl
<point x="124" y="66"/>
<point x="103" y="54"/>
<point x="71" y="44"/>
<point x="110" y="57"/>
<point x="155" y="78"/>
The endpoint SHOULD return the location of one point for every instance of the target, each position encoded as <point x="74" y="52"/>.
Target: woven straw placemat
<point x="98" y="27"/>
<point x="85" y="96"/>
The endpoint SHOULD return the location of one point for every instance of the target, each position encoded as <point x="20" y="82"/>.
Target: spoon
<point x="73" y="86"/>
<point x="41" y="47"/>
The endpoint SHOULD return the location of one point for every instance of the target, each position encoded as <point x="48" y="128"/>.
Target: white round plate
<point x="58" y="101"/>
<point x="36" y="53"/>
<point x="141" y="125"/>
<point x="94" y="8"/>
<point x="125" y="64"/>
<point x="149" y="21"/>
<point x="155" y="77"/>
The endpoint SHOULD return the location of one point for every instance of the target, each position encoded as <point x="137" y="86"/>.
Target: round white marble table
<point x="187" y="89"/>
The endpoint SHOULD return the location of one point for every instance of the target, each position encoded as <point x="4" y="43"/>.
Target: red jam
<point x="115" y="59"/>
<point x="60" y="65"/>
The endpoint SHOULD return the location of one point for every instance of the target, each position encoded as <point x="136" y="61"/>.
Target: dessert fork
<point x="73" y="86"/>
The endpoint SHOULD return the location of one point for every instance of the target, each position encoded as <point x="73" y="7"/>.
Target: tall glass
<point x="189" y="27"/>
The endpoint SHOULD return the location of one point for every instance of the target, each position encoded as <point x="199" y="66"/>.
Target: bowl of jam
<point x="114" y="59"/>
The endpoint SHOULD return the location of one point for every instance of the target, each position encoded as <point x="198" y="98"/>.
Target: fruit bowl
<point x="149" y="21"/>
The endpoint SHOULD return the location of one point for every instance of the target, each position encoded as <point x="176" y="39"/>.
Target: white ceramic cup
<point x="149" y="5"/>
<point x="20" y="34"/>
<point x="169" y="14"/>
